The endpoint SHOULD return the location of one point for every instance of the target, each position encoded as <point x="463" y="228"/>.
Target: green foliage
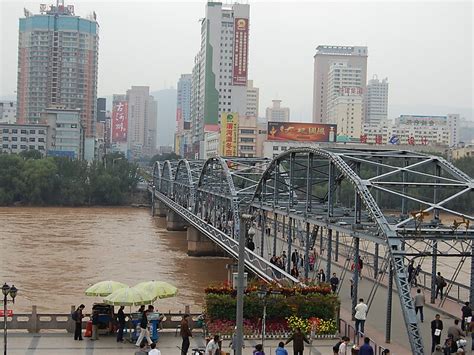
<point x="31" y="179"/>
<point x="163" y="157"/>
<point x="223" y="306"/>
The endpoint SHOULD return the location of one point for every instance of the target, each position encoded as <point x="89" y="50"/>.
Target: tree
<point x="163" y="157"/>
<point x="11" y="182"/>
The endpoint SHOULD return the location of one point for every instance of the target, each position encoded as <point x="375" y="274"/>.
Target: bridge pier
<point x="158" y="208"/>
<point x="174" y="222"/>
<point x="200" y="245"/>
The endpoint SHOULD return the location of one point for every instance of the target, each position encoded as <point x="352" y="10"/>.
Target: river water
<point x="53" y="254"/>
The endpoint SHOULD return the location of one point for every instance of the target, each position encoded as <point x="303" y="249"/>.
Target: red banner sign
<point x="120" y="121"/>
<point x="241" y="45"/>
<point x="301" y="132"/>
<point x="9" y="313"/>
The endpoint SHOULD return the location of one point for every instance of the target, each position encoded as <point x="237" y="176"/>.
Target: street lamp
<point x="244" y="220"/>
<point x="262" y="294"/>
<point x="7" y="290"/>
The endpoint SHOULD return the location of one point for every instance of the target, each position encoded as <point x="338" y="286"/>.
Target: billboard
<point x="301" y="132"/>
<point x="241" y="45"/>
<point x="120" y="121"/>
<point x="229" y="134"/>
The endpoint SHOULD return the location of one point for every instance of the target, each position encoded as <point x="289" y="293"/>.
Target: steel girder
<point x="167" y="178"/>
<point x="157" y="175"/>
<point x="185" y="180"/>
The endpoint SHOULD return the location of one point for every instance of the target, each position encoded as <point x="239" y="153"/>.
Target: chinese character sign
<point x="241" y="45"/>
<point x="301" y="132"/>
<point x="229" y="134"/>
<point x="120" y="121"/>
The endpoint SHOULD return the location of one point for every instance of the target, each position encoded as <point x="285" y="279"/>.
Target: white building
<point x="347" y="114"/>
<point x="211" y="144"/>
<point x="252" y="99"/>
<point x="276" y="113"/>
<point x="325" y="56"/>
<point x="7" y="111"/>
<point x="220" y="70"/>
<point x="183" y="142"/>
<point x="415" y="130"/>
<point x="376" y="102"/>
<point x="16" y="138"/>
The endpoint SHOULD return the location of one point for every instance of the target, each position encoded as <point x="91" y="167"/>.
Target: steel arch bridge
<point x="410" y="204"/>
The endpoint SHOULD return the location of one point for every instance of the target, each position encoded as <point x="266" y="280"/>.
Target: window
<point x="247" y="131"/>
<point x="41" y="131"/>
<point x="14" y="131"/>
<point x="5" y="146"/>
<point x="23" y="131"/>
<point x="32" y="131"/>
<point x="23" y="139"/>
<point x="32" y="139"/>
<point x="41" y="147"/>
<point x="5" y="130"/>
<point x="246" y="140"/>
<point x="41" y="140"/>
<point x="275" y="148"/>
<point x="23" y="146"/>
<point x="14" y="139"/>
<point x="14" y="146"/>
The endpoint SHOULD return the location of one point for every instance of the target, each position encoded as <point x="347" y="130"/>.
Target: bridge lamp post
<point x="244" y="220"/>
<point x="7" y="290"/>
<point x="262" y="294"/>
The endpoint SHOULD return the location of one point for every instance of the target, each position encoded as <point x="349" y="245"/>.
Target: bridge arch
<point x="167" y="178"/>
<point x="157" y="175"/>
<point x="183" y="185"/>
<point x="216" y="196"/>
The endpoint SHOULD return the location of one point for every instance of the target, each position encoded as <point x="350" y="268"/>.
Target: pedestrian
<point x="361" y="265"/>
<point x="455" y="332"/>
<point x="440" y="285"/>
<point x="436" y="328"/>
<point x="258" y="350"/>
<point x="466" y="315"/>
<point x="141" y="309"/>
<point x="386" y="352"/>
<point x="419" y="303"/>
<point x="344" y="348"/>
<point x="295" y="257"/>
<point x="212" y="347"/>
<point x="77" y="318"/>
<point x="283" y="257"/>
<point x="121" y="324"/>
<point x="471" y="329"/>
<point x="281" y="349"/>
<point x="415" y="277"/>
<point x="298" y="339"/>
<point x="438" y="350"/>
<point x="411" y="272"/>
<point x="144" y="332"/>
<point x="334" y="281"/>
<point x="352" y="287"/>
<point x="142" y="350"/>
<point x="250" y="245"/>
<point x="366" y="348"/>
<point x="360" y="315"/>
<point x="321" y="276"/>
<point x="95" y="324"/>
<point x="185" y="334"/>
<point x="154" y="350"/>
<point x="294" y="272"/>
<point x="233" y="341"/>
<point x="312" y="260"/>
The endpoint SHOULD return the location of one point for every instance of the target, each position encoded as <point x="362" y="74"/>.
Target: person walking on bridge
<point x="185" y="334"/>
<point x="440" y="285"/>
<point x="419" y="303"/>
<point x="466" y="313"/>
<point x="436" y="328"/>
<point x="455" y="332"/>
<point x="77" y="318"/>
<point x="334" y="281"/>
<point x="360" y="315"/>
<point x="144" y="332"/>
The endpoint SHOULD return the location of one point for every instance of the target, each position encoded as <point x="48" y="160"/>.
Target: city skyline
<point x="397" y="52"/>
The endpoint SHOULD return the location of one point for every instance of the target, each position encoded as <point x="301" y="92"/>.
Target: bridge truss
<point x="413" y="205"/>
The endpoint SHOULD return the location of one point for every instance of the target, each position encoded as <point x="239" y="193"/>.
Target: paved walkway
<point x="52" y="344"/>
<point x="376" y="321"/>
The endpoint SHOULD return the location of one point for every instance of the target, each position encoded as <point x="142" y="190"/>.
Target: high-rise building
<point x="183" y="142"/>
<point x="57" y="64"/>
<point x="220" y="70"/>
<point x="325" y="56"/>
<point x="277" y="113"/>
<point x="101" y="109"/>
<point x="252" y="99"/>
<point x="142" y="120"/>
<point x="376" y="101"/>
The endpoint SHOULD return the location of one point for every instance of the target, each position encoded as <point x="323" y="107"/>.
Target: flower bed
<point x="313" y="309"/>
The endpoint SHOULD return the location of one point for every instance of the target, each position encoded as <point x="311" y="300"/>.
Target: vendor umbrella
<point x="129" y="297"/>
<point x="104" y="288"/>
<point x="160" y="289"/>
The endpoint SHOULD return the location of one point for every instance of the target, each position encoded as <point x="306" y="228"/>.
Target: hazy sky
<point x="424" y="48"/>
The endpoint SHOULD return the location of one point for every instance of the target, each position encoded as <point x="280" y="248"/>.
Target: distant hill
<point x="166" y="126"/>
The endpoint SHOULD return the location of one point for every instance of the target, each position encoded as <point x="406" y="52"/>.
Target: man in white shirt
<point x="154" y="350"/>
<point x="360" y="315"/>
<point x="213" y="346"/>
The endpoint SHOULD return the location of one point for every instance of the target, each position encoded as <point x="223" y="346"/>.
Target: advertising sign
<point x="229" y="134"/>
<point x="120" y="121"/>
<point x="301" y="132"/>
<point x="241" y="45"/>
<point x="350" y="90"/>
